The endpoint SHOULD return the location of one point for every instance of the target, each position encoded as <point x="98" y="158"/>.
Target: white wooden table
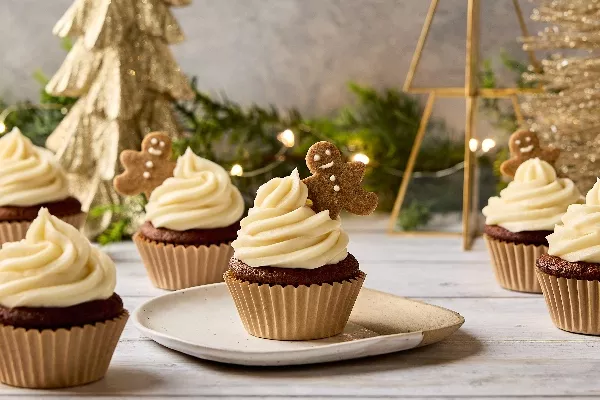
<point x="508" y="346"/>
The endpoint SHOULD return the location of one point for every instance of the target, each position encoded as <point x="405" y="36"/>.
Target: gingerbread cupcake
<point x="570" y="273"/>
<point x="29" y="180"/>
<point x="191" y="217"/>
<point x="518" y="221"/>
<point x="60" y="319"/>
<point x="291" y="276"/>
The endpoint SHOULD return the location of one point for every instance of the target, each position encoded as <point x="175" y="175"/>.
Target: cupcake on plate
<point x="191" y="217"/>
<point x="29" y="180"/>
<point x="291" y="276"/>
<point x="518" y="221"/>
<point x="570" y="273"/>
<point x="60" y="319"/>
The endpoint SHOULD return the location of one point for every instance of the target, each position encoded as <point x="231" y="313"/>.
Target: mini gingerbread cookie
<point x="147" y="169"/>
<point x="523" y="146"/>
<point x="336" y="185"/>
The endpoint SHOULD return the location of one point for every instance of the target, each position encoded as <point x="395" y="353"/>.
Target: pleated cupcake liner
<point x="174" y="267"/>
<point x="574" y="304"/>
<point x="43" y="359"/>
<point x="294" y="313"/>
<point x="15" y="231"/>
<point x="514" y="264"/>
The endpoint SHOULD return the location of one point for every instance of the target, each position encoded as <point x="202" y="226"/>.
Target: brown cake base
<point x="344" y="270"/>
<point x="62" y="208"/>
<point x="191" y="237"/>
<point x="537" y="238"/>
<point x="556" y="266"/>
<point x="62" y="317"/>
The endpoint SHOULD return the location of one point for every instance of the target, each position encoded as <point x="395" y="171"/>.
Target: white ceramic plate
<point x="204" y="323"/>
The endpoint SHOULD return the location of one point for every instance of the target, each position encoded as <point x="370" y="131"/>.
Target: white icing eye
<point x="517" y="141"/>
<point x="154" y="141"/>
<point x="162" y="144"/>
<point x="328" y="152"/>
<point x="317" y="157"/>
<point x="528" y="139"/>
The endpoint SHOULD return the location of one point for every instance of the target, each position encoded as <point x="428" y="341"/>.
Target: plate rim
<point x="137" y="321"/>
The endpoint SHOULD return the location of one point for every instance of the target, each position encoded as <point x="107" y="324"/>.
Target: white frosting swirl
<point x="534" y="201"/>
<point x="28" y="174"/>
<point x="54" y="266"/>
<point x="281" y="231"/>
<point x="578" y="238"/>
<point x="200" y="195"/>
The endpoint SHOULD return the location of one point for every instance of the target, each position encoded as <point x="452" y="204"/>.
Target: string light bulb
<point x="236" y="170"/>
<point x="363" y="158"/>
<point x="287" y="138"/>
<point x="2" y="127"/>
<point x="487" y="145"/>
<point x="473" y="145"/>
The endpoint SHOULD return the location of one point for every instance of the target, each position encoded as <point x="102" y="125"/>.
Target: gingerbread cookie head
<point x="147" y="169"/>
<point x="525" y="145"/>
<point x="323" y="156"/>
<point x="523" y="142"/>
<point x="336" y="185"/>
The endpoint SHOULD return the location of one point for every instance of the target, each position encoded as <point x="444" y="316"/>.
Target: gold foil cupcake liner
<point x="574" y="304"/>
<point x="294" y="313"/>
<point x="514" y="264"/>
<point x="176" y="267"/>
<point x="43" y="359"/>
<point x="15" y="231"/>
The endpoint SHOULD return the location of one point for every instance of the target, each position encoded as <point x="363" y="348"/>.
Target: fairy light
<point x="487" y="145"/>
<point x="287" y="138"/>
<point x="2" y="127"/>
<point x="236" y="170"/>
<point x="363" y="158"/>
<point x="473" y="145"/>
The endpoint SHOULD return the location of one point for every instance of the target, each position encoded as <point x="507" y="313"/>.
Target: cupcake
<point x="60" y="319"/>
<point x="570" y="273"/>
<point x="518" y="221"/>
<point x="291" y="276"/>
<point x="29" y="180"/>
<point x="191" y="219"/>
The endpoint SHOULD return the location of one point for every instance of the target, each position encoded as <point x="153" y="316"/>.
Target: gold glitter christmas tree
<point x="567" y="113"/>
<point x="122" y="70"/>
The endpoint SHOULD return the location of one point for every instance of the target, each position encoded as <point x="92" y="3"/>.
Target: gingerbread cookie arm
<point x="125" y="182"/>
<point x="551" y="155"/>
<point x="509" y="167"/>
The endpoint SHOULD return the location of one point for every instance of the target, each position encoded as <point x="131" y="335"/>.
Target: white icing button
<point x="149" y="164"/>
<point x="328" y="152"/>
<point x="336" y="188"/>
<point x="146" y="174"/>
<point x="332" y="178"/>
<point x="162" y="144"/>
<point x="528" y="139"/>
<point x="154" y="140"/>
<point x="317" y="157"/>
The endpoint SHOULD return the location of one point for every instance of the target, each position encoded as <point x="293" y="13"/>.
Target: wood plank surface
<point x="508" y="347"/>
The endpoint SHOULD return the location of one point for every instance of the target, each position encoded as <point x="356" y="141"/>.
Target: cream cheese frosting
<point x="200" y="195"/>
<point x="534" y="201"/>
<point x="578" y="237"/>
<point x="282" y="231"/>
<point x="54" y="266"/>
<point x="28" y="174"/>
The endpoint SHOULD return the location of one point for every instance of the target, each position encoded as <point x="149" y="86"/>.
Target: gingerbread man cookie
<point x="336" y="185"/>
<point x="147" y="169"/>
<point x="523" y="146"/>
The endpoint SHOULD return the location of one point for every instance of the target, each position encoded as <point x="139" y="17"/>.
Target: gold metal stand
<point x="471" y="92"/>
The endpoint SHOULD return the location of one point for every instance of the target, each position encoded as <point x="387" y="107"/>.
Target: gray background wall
<point x="296" y="53"/>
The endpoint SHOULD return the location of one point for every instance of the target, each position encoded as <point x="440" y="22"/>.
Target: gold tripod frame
<point x="471" y="92"/>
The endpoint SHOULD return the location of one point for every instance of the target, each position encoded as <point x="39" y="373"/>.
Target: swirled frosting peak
<point x="534" y="201"/>
<point x="54" y="266"/>
<point x="28" y="174"/>
<point x="200" y="195"/>
<point x="282" y="231"/>
<point x="578" y="237"/>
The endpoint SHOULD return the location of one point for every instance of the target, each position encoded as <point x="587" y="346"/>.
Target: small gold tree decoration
<point x="124" y="74"/>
